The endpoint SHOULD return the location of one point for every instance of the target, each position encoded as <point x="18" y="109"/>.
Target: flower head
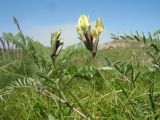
<point x="99" y="25"/>
<point x="56" y="44"/>
<point x="90" y="37"/>
<point x="96" y="31"/>
<point x="83" y="24"/>
<point x="55" y="37"/>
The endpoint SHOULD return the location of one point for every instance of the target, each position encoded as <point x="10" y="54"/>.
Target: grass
<point x="76" y="88"/>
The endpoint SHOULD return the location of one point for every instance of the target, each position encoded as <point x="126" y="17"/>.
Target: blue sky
<point x="38" y="18"/>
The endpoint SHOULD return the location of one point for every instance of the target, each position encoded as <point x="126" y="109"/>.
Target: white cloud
<point x="42" y="33"/>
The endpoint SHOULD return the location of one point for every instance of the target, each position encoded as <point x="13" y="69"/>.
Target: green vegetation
<point x="121" y="83"/>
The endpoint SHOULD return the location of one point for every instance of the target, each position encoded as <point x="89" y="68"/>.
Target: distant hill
<point x="120" y="44"/>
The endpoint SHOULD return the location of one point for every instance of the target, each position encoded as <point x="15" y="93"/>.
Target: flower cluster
<point x="56" y="44"/>
<point x="89" y="36"/>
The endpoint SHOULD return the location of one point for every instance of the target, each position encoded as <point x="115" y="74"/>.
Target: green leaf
<point x="128" y="69"/>
<point x="155" y="47"/>
<point x="132" y="74"/>
<point x="150" y="36"/>
<point x="108" y="61"/>
<point x="50" y="117"/>
<point x="137" y="34"/>
<point x="137" y="38"/>
<point x="123" y="37"/>
<point x="129" y="37"/>
<point x="143" y="37"/>
<point x="114" y="37"/>
<point x="137" y="76"/>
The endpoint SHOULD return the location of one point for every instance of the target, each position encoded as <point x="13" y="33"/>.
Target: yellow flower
<point x="54" y="38"/>
<point x="56" y="44"/>
<point x="79" y="30"/>
<point x="83" y="24"/>
<point x="99" y="26"/>
<point x="96" y="31"/>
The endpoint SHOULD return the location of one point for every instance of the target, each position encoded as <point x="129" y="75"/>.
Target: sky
<point x="38" y="18"/>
